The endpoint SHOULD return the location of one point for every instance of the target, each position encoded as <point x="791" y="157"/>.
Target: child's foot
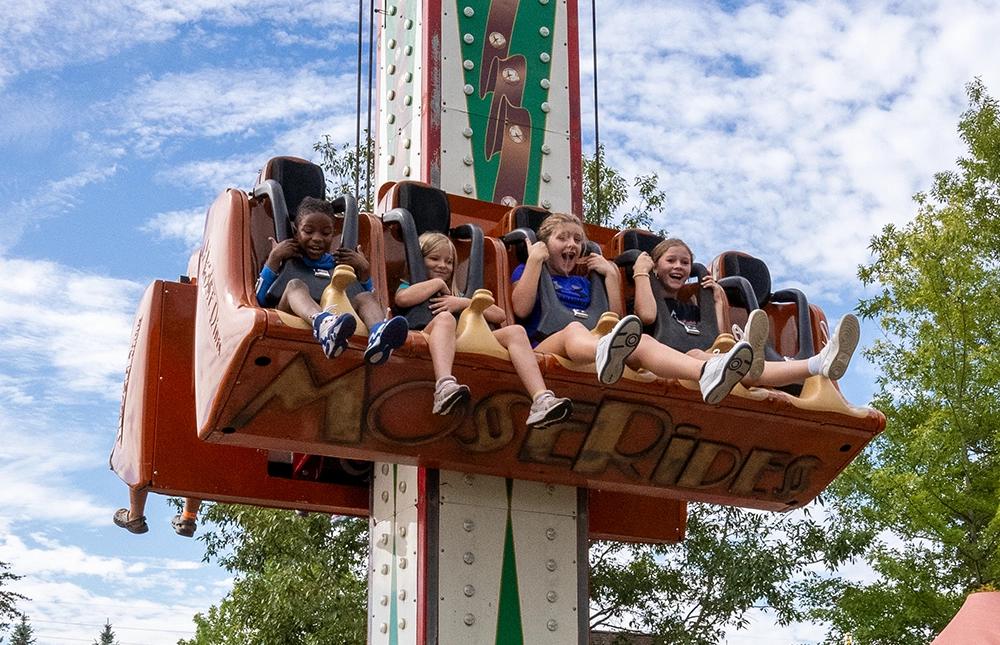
<point x="835" y="357"/>
<point x="385" y="337"/>
<point x="184" y="525"/>
<point x="755" y="333"/>
<point x="614" y="349"/>
<point x="449" y="393"/>
<point x="333" y="332"/>
<point x="137" y="526"/>
<point x="548" y="409"/>
<point x="720" y="374"/>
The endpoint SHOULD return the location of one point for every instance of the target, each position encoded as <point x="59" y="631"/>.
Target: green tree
<point x="349" y="170"/>
<point x="22" y="633"/>
<point x="107" y="636"/>
<point x="930" y="481"/>
<point x="8" y="599"/>
<point x="614" y="192"/>
<point x="298" y="580"/>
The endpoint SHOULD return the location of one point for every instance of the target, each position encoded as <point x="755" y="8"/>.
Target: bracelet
<point x="636" y="275"/>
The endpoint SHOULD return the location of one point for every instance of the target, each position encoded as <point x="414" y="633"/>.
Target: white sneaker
<point x="720" y="374"/>
<point x="835" y="357"/>
<point x="614" y="349"/>
<point x="757" y="329"/>
<point x="449" y="393"/>
<point x="548" y="409"/>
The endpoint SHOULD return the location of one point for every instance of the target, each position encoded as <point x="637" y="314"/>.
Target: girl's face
<point x="440" y="263"/>
<point x="673" y="269"/>
<point x="565" y="245"/>
<point x="314" y="234"/>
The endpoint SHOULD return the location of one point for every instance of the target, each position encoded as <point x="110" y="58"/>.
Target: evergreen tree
<point x="107" y="636"/>
<point x="8" y="599"/>
<point x="22" y="633"/>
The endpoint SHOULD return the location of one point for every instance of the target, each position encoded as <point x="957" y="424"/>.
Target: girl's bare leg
<point x="368" y="308"/>
<point x="776" y="373"/>
<point x="574" y="342"/>
<point x="442" y="343"/>
<point x="297" y="300"/>
<point x="136" y="503"/>
<point x="515" y="340"/>
<point x="665" y="362"/>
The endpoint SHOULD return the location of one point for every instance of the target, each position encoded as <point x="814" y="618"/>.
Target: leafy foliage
<point x="8" y="599"/>
<point x="613" y="192"/>
<point x="348" y="169"/>
<point x="931" y="479"/>
<point x="299" y="580"/>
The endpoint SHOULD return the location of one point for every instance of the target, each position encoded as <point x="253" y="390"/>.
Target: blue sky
<point x="791" y="130"/>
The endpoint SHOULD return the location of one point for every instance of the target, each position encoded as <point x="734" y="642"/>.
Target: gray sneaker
<point x="755" y="333"/>
<point x="548" y="409"/>
<point x="614" y="349"/>
<point x="448" y="393"/>
<point x="721" y="373"/>
<point x="836" y="356"/>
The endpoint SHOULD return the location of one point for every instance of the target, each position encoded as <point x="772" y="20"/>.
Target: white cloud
<point x="187" y="226"/>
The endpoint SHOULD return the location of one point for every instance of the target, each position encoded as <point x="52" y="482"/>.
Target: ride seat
<point x="419" y="208"/>
<point x="747" y="282"/>
<point x="667" y="329"/>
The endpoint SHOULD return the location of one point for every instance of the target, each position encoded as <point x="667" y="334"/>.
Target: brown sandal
<point x="137" y="526"/>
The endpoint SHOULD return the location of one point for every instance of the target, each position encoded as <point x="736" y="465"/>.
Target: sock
<point x="189" y="516"/>
<point x="815" y="363"/>
<point x="445" y="379"/>
<point x="538" y="394"/>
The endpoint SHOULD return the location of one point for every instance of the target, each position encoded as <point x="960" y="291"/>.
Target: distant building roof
<point x="619" y="638"/>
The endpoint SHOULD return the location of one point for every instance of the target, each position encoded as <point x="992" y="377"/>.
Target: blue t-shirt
<point x="327" y="263"/>
<point x="572" y="291"/>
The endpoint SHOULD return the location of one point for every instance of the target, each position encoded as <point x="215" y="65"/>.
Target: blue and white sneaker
<point x="385" y="337"/>
<point x="333" y="332"/>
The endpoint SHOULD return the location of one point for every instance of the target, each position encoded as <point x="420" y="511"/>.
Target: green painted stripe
<point x="509" y="629"/>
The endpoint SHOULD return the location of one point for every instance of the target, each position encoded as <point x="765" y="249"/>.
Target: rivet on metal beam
<point x="406" y="171"/>
<point x="497" y="39"/>
<point x="408" y="50"/>
<point x="384" y="601"/>
<point x="384" y="539"/>
<point x="391" y="160"/>
<point x="469" y="12"/>
<point x="467" y="160"/>
<point x="468" y="525"/>
<point x="470" y="620"/>
<point x="552" y="625"/>
<point x="469" y="39"/>
<point x="385" y="493"/>
<point x="391" y="95"/>
<point x="392" y="10"/>
<point x="402" y="594"/>
<point x="385" y="569"/>
<point x="383" y="628"/>
<point x="552" y="596"/>
<point x="547" y="149"/>
<point x="402" y="487"/>
<point x="546" y="177"/>
<point x="401" y="531"/>
<point x="402" y="623"/>
<point x="544" y="57"/>
<point x="391" y="69"/>
<point x="544" y="32"/>
<point x="409" y="101"/>
<point x="550" y="533"/>
<point x="467" y="133"/>
<point x="402" y="563"/>
<point x="391" y="119"/>
<point x="469" y="557"/>
<point x="408" y="24"/>
<point x="408" y="77"/>
<point x="391" y="44"/>
<point x="543" y="1"/>
<point x="469" y="591"/>
<point x="551" y="565"/>
<point x="545" y="83"/>
<point x="549" y="488"/>
<point x="469" y="477"/>
<point x="468" y="64"/>
<point x="545" y="107"/>
<point x="385" y="469"/>
<point x="546" y="203"/>
<point x="467" y="189"/>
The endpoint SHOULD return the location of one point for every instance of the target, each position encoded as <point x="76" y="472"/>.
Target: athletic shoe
<point x="137" y="526"/>
<point x="615" y="348"/>
<point x="548" y="409"/>
<point x="720" y="374"/>
<point x="184" y="526"/>
<point x="755" y="333"/>
<point x="449" y="393"/>
<point x="838" y="351"/>
<point x="385" y="337"/>
<point x="333" y="332"/>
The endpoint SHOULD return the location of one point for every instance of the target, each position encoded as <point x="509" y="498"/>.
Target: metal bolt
<point x="467" y="160"/>
<point x="409" y="101"/>
<point x="402" y="623"/>
<point x="552" y="596"/>
<point x="546" y="203"/>
<point x="468" y="525"/>
<point x="550" y="533"/>
<point x="551" y="565"/>
<point x="467" y="189"/>
<point x="469" y="12"/>
<point x="544" y="57"/>
<point x="408" y="50"/>
<point x="469" y="39"/>
<point x="385" y="493"/>
<point x="383" y="628"/>
<point x="384" y="600"/>
<point x="545" y="107"/>
<point x="408" y="24"/>
<point x="543" y="1"/>
<point x="391" y="69"/>
<point x="469" y="591"/>
<point x="406" y="144"/>
<point x="497" y="39"/>
<point x="468" y="89"/>
<point x="469" y="479"/>
<point x="392" y="118"/>
<point x="547" y="149"/>
<point x="552" y="625"/>
<point x="392" y="10"/>
<point x="402" y="563"/>
<point x="546" y="177"/>
<point x="545" y="83"/>
<point x="402" y="487"/>
<point x="391" y="44"/>
<point x="391" y="160"/>
<point x="408" y="77"/>
<point x="385" y="569"/>
<point x="516" y="134"/>
<point x="402" y="531"/>
<point x="469" y="557"/>
<point x="468" y="64"/>
<point x="384" y="539"/>
<point x="391" y="94"/>
<point x="402" y="594"/>
<point x="470" y="620"/>
<point x="406" y="171"/>
<point x="385" y="469"/>
<point x="508" y="201"/>
<point x="467" y="133"/>
<point x="544" y="31"/>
